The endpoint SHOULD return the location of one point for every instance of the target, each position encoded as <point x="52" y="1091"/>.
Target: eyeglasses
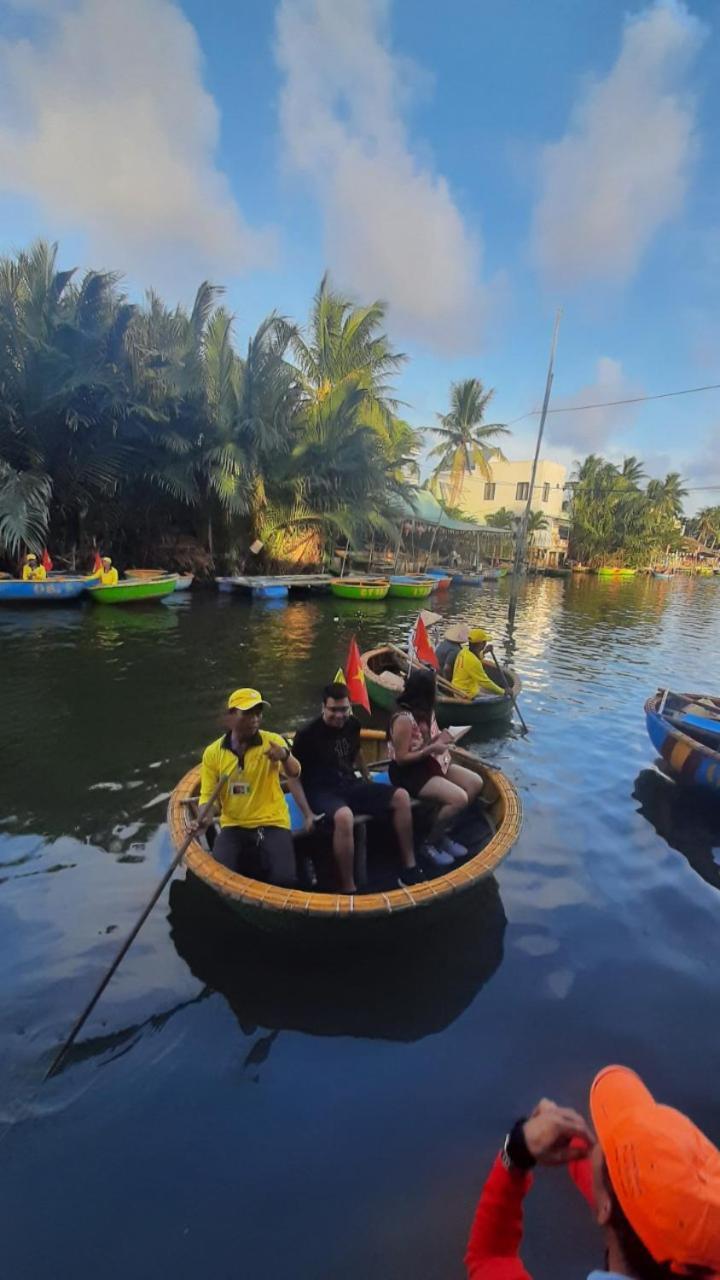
<point x="338" y="711"/>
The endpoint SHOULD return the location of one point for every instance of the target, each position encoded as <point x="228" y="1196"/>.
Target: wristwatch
<point x="514" y="1154"/>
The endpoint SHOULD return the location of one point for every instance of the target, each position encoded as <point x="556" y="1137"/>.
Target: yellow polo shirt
<point x="470" y="676"/>
<point x="37" y="574"/>
<point x="253" y="796"/>
<point x="109" y="578"/>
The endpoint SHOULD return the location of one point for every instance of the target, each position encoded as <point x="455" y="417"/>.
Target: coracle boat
<point x="612" y="571"/>
<point x="360" y="588"/>
<point x="309" y="915"/>
<point x="411" y="588"/>
<point x="658" y="573"/>
<point x="146" y="575"/>
<point x="493" y="575"/>
<point x="183" y="581"/>
<point x="384" y="679"/>
<point x="55" y="590"/>
<point x="470" y="580"/>
<point x="684" y="728"/>
<point x="132" y="591"/>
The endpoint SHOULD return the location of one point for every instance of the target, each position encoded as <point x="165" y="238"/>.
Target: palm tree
<point x="502" y="519"/>
<point x="536" y="523"/>
<point x="464" y="436"/>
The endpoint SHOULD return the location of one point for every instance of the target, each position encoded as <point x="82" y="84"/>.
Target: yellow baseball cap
<point x="245" y="700"/>
<point x="479" y="636"/>
<point x="31" y="556"/>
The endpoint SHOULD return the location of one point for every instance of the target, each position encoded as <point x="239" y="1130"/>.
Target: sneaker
<point x="453" y="848"/>
<point x="410" y="875"/>
<point x="438" y="857"/>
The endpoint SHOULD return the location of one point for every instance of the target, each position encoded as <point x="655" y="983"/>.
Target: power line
<point x="608" y="404"/>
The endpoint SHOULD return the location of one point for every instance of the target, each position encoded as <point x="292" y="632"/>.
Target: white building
<point x="509" y="488"/>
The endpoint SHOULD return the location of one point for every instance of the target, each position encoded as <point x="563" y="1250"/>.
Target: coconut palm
<point x="464" y="437"/>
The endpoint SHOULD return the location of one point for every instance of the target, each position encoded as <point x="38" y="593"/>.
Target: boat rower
<point x="469" y="674"/>
<point x="109" y="576"/>
<point x="32" y="571"/>
<point x="449" y="647"/>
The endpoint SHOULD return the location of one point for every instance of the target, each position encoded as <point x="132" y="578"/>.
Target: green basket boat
<point x="360" y="588"/>
<point x="384" y="679"/>
<point x="408" y="588"/>
<point x="611" y="571"/>
<point x="133" y="592"/>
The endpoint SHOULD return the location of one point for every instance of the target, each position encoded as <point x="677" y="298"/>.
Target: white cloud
<point x="106" y="125"/>
<point x="594" y="429"/>
<point x="622" y="168"/>
<point x="392" y="227"/>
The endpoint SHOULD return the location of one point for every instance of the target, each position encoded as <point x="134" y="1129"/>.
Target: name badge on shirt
<point x="240" y="789"/>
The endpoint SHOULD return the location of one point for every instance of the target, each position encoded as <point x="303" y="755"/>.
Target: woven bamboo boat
<point x="146" y="575"/>
<point x="684" y="728"/>
<point x="308" y="915"/>
<point x="411" y="588"/>
<point x="612" y="571"/>
<point x="360" y="588"/>
<point x="132" y="592"/>
<point x="384" y="680"/>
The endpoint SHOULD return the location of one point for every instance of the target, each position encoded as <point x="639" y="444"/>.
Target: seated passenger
<point x="328" y="750"/>
<point x="32" y="571"/>
<point x="469" y="675"/>
<point x="109" y="576"/>
<point x="449" y="647"/>
<point x="255" y="837"/>
<point x="421" y="762"/>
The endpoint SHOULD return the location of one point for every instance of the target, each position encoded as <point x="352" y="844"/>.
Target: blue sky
<point x="477" y="165"/>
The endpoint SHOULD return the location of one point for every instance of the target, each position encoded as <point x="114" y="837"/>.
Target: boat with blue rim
<point x="684" y="728"/>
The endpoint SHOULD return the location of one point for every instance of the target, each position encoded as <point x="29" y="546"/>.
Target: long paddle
<point x="439" y="680"/>
<point x="205" y="813"/>
<point x="509" y="688"/>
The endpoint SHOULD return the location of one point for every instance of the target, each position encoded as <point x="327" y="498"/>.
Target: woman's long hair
<point x="419" y="694"/>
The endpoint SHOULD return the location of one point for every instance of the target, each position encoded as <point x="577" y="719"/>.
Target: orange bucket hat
<point x="663" y="1170"/>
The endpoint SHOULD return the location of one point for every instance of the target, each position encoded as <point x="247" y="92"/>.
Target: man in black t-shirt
<point x="328" y="749"/>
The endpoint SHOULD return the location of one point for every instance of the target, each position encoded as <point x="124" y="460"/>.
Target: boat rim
<point x="443" y="697"/>
<point x="651" y="708"/>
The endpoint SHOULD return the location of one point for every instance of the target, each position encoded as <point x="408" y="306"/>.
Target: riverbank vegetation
<point x="143" y="430"/>
<point x="618" y="516"/>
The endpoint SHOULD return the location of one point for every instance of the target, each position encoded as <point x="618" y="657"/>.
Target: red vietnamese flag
<point x="424" y="651"/>
<point x="46" y="562"/>
<point x="97" y="563"/>
<point x="355" y="677"/>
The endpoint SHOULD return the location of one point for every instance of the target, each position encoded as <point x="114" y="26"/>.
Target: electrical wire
<point x="608" y="404"/>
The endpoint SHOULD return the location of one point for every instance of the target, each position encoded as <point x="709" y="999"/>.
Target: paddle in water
<point x="203" y="817"/>
<point x="509" y="688"/>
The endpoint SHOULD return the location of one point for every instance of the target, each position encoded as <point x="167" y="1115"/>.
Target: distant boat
<point x="132" y="591"/>
<point x="660" y="573"/>
<point x="411" y="588"/>
<point x="56" y="590"/>
<point x="384" y="678"/>
<point x="360" y="588"/>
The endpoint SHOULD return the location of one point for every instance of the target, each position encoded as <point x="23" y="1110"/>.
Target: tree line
<point x="618" y="516"/>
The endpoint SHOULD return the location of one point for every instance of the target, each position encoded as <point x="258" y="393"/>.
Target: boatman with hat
<point x="109" y="574"/>
<point x="469" y="675"/>
<point x="32" y="571"/>
<point x="651" y="1178"/>
<point x="255" y="837"/>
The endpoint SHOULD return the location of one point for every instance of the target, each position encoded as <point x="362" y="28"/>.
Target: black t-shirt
<point x="327" y="755"/>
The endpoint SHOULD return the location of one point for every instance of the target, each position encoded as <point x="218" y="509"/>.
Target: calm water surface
<point x="230" y="1113"/>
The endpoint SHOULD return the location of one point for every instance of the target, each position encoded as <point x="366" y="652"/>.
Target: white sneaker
<point x="438" y="857"/>
<point x="453" y="848"/>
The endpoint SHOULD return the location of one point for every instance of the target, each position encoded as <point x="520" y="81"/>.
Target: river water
<point x="234" y="1113"/>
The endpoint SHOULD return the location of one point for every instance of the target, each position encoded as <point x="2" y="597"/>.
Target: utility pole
<point x="521" y="536"/>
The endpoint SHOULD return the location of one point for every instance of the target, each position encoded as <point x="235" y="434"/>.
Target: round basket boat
<point x="360" y="588"/>
<point x="408" y="588"/>
<point x="384" y="679"/>
<point x="310" y="915"/>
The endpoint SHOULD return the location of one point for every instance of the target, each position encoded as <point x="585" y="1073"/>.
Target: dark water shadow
<point x="399" y="992"/>
<point x="686" y="819"/>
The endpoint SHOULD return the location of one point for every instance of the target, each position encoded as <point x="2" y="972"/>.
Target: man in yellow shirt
<point x="109" y="576"/>
<point x="469" y="674"/>
<point x="32" y="571"/>
<point x="255" y="837"/>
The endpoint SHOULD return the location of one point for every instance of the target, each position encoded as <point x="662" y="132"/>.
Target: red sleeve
<point x="581" y="1174"/>
<point x="492" y="1252"/>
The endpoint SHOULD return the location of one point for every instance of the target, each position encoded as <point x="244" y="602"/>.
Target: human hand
<point x="309" y="820"/>
<point x="551" y="1131"/>
<point x="277" y="753"/>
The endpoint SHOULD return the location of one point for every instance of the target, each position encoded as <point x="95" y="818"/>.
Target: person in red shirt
<point x="651" y="1178"/>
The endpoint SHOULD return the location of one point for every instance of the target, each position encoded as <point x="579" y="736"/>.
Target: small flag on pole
<point x="424" y="651"/>
<point x="97" y="563"/>
<point x="355" y="677"/>
<point x="46" y="562"/>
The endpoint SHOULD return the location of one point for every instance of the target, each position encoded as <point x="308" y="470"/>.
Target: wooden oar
<point x="441" y="682"/>
<point x="509" y="688"/>
<point x="204" y="815"/>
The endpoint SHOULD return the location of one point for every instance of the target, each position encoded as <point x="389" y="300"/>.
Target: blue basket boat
<point x="684" y="728"/>
<point x="54" y="590"/>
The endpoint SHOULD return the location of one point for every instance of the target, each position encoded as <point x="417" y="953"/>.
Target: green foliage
<point x="502" y="519"/>
<point x="137" y="426"/>
<point x="465" y="438"/>
<point x="614" y="520"/>
<point x="705" y="526"/>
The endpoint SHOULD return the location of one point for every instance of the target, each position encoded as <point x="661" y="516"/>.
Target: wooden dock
<point x="275" y="586"/>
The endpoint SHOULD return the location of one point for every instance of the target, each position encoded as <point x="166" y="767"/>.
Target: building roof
<point x="423" y="506"/>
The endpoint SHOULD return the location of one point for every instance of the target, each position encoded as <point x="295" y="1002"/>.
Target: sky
<point x="477" y="166"/>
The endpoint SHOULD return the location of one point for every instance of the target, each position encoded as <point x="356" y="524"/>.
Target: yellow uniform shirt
<point x="253" y="796"/>
<point x="109" y="578"/>
<point x="37" y="574"/>
<point x="470" y="676"/>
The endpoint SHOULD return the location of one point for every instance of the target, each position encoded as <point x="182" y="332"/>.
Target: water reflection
<point x="385" y="993"/>
<point x="687" y="820"/>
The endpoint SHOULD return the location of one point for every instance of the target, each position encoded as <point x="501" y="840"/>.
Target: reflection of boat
<point x="384" y="680"/>
<point x="53" y="590"/>
<point x="686" y="820"/>
<point x="410" y="588"/>
<point x="364" y="992"/>
<point x="133" y="592"/>
<point x="313" y="916"/>
<point x="360" y="588"/>
<point x="684" y="728"/>
<point x="556" y="571"/>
